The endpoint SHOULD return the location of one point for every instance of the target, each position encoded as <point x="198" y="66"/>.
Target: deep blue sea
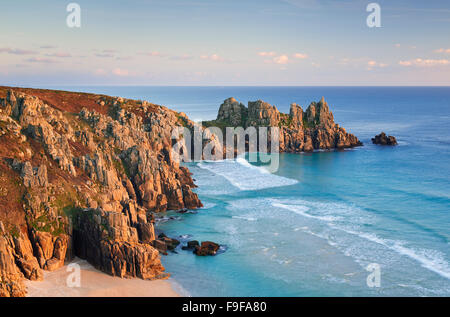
<point x="313" y="227"/>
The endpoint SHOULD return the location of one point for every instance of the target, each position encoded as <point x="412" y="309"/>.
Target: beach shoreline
<point x="94" y="283"/>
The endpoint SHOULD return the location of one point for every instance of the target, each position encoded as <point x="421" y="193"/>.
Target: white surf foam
<point x="430" y="259"/>
<point x="302" y="210"/>
<point x="244" y="218"/>
<point x="349" y="220"/>
<point x="244" y="175"/>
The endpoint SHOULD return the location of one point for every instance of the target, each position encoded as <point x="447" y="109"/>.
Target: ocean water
<point x="313" y="227"/>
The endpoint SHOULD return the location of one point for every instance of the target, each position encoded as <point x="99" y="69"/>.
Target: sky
<point x="225" y="43"/>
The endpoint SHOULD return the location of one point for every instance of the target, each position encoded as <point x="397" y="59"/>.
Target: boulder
<point x="383" y="139"/>
<point x="191" y="245"/>
<point x="207" y="248"/>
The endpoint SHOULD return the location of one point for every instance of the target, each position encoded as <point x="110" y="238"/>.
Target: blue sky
<point x="226" y="42"/>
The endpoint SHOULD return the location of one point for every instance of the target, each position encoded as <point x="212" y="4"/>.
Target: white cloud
<point x="300" y="55"/>
<point x="16" y="51"/>
<point x="213" y="57"/>
<point x="153" y="54"/>
<point x="183" y="57"/>
<point x="59" y="54"/>
<point x="267" y="54"/>
<point x="282" y="59"/>
<point x="405" y="63"/>
<point x="40" y="60"/>
<point x="373" y="64"/>
<point x="120" y="72"/>
<point x="425" y="62"/>
<point x="99" y="72"/>
<point x="344" y="61"/>
<point x="106" y="55"/>
<point x="443" y="50"/>
<point x="47" y="46"/>
<point x="124" y="58"/>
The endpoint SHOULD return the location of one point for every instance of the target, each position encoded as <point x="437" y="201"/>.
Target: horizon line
<point x="46" y="86"/>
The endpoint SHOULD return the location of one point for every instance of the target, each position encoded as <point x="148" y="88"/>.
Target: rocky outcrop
<point x="191" y="245"/>
<point x="232" y="111"/>
<point x="109" y="242"/>
<point x="383" y="139"/>
<point x="164" y="243"/>
<point x="207" y="248"/>
<point x="83" y="175"/>
<point x="25" y="259"/>
<point x="300" y="131"/>
<point x="10" y="275"/>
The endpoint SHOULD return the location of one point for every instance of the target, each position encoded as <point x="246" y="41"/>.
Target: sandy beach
<point x="94" y="283"/>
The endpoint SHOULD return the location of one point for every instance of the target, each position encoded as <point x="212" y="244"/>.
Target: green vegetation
<point x="45" y="224"/>
<point x="182" y="121"/>
<point x="67" y="199"/>
<point x="222" y="125"/>
<point x="307" y="124"/>
<point x="14" y="231"/>
<point x="126" y="168"/>
<point x="119" y="166"/>
<point x="285" y="120"/>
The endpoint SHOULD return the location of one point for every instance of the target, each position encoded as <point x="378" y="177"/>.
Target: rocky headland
<point x="300" y="131"/>
<point x="84" y="175"/>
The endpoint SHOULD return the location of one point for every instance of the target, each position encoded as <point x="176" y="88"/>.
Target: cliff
<point x="82" y="175"/>
<point x="300" y="131"/>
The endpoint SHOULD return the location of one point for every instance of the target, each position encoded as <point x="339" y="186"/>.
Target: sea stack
<point x="300" y="131"/>
<point x="383" y="139"/>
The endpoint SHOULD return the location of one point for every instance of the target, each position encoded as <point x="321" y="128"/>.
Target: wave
<point x="302" y="210"/>
<point x="324" y="211"/>
<point x="245" y="176"/>
<point x="430" y="259"/>
<point x="244" y="218"/>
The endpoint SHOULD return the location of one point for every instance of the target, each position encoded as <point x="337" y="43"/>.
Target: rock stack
<point x="300" y="131"/>
<point x="383" y="139"/>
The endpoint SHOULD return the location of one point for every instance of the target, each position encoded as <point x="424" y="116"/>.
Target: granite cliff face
<point x="300" y="131"/>
<point x="82" y="175"/>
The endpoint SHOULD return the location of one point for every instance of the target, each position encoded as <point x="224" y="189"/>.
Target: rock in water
<point x="300" y="131"/>
<point x="207" y="248"/>
<point x="191" y="245"/>
<point x="383" y="139"/>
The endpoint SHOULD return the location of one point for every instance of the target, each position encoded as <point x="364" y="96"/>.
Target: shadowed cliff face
<point x="82" y="174"/>
<point x="300" y="131"/>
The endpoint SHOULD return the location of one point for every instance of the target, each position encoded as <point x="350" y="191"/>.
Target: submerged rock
<point x="191" y="245"/>
<point x="383" y="139"/>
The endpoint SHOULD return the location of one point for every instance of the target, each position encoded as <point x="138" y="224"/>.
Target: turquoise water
<point x="312" y="228"/>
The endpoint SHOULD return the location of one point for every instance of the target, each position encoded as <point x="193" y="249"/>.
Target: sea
<point x="368" y="221"/>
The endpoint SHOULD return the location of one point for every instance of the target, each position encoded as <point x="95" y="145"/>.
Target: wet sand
<point x="94" y="283"/>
